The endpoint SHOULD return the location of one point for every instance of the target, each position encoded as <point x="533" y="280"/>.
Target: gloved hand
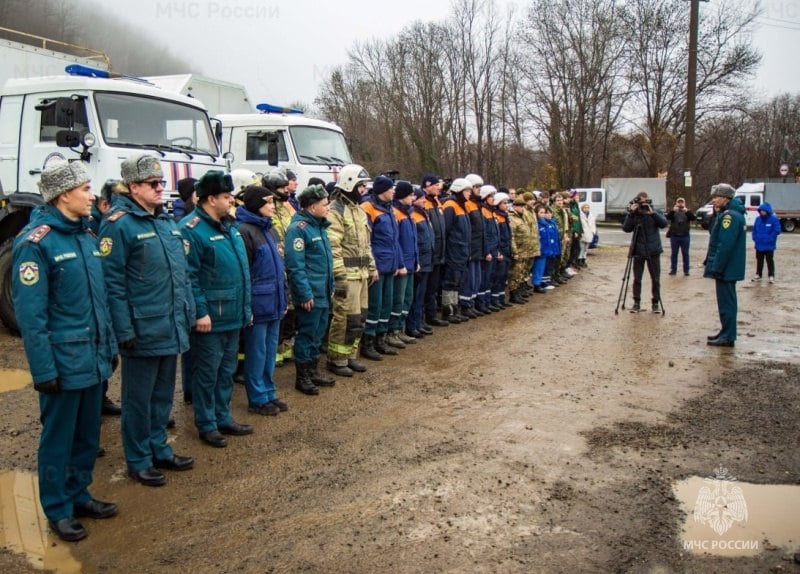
<point x="128" y="345"/>
<point x="50" y="387"/>
<point x="114" y="363"/>
<point x="340" y="287"/>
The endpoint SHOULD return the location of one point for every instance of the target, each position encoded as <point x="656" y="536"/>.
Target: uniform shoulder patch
<point x="299" y="244"/>
<point x="192" y="223"/>
<point x="29" y="273"/>
<point x="106" y="244"/>
<point x="301" y="225"/>
<point x="38" y="234"/>
<point x="726" y="221"/>
<point x="116" y="215"/>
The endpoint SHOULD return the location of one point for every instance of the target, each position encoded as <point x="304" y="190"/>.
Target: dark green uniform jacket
<point x="727" y="248"/>
<point x="60" y="300"/>
<point x="218" y="270"/>
<point x="308" y="260"/>
<point x="148" y="287"/>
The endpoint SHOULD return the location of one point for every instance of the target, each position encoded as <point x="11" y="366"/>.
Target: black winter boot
<point x="302" y="381"/>
<point x="318" y="378"/>
<point x="382" y="347"/>
<point x="368" y="350"/>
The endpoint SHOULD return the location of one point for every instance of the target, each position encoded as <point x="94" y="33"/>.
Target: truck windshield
<point x="132" y="120"/>
<point x="319" y="146"/>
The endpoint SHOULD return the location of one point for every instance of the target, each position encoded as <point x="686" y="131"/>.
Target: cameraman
<point x="645" y="221"/>
<point x="678" y="233"/>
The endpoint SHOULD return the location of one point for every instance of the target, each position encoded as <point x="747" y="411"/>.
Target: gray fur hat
<point x="141" y="167"/>
<point x="722" y="190"/>
<point x="62" y="177"/>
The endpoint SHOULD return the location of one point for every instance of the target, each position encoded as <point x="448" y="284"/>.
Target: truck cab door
<point x="10" y="117"/>
<point x="43" y="117"/>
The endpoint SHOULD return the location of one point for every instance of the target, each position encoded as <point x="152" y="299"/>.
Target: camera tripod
<point x="623" y="290"/>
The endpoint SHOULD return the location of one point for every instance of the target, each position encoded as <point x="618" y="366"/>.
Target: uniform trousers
<point x="402" y="297"/>
<point x="381" y="294"/>
<point x="499" y="280"/>
<point x="68" y="448"/>
<point x="484" y="298"/>
<point x="728" y="307"/>
<point x="433" y="289"/>
<point x="347" y="323"/>
<point x="470" y="288"/>
<point x="260" y="348"/>
<point x="414" y="321"/>
<point x="213" y="365"/>
<point x="311" y="328"/>
<point x="148" y="384"/>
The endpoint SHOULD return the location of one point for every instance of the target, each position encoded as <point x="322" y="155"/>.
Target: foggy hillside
<point x="86" y="23"/>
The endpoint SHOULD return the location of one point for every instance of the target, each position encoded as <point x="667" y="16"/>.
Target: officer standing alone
<point x="62" y="309"/>
<point x="725" y="262"/>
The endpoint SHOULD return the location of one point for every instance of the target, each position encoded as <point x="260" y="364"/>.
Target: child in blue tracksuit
<point x="550" y="245"/>
<point x="766" y="229"/>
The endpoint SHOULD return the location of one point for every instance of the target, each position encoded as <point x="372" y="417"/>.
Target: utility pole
<point x="688" y="153"/>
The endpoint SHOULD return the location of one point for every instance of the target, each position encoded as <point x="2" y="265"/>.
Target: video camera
<point x="645" y="205"/>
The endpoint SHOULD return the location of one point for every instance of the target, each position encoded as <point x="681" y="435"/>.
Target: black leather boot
<point x="302" y="381"/>
<point x="382" y="347"/>
<point x="368" y="350"/>
<point x="318" y="378"/>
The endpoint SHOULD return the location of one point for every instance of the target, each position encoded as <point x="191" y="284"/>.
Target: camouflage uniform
<point x="524" y="247"/>
<point x="353" y="266"/>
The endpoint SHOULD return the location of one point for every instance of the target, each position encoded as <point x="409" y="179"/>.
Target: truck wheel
<point x="789" y="225"/>
<point x="7" y="315"/>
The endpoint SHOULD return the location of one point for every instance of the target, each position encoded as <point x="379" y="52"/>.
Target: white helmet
<point x="487" y="190"/>
<point x="242" y="178"/>
<point x="350" y="176"/>
<point x="460" y="184"/>
<point x="474" y="179"/>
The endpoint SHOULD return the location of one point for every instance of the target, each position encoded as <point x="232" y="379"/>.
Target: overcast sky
<point x="282" y="50"/>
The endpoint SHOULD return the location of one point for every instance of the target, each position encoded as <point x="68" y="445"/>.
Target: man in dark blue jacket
<point x="145" y="271"/>
<point x="425" y="248"/>
<point x="267" y="300"/>
<point x="62" y="310"/>
<point x="386" y="250"/>
<point x="644" y="221"/>
<point x="403" y="283"/>
<point x="220" y="279"/>
<point x="432" y="187"/>
<point x="457" y="249"/>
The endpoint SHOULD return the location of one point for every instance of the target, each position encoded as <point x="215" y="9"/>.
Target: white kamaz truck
<point x="86" y="115"/>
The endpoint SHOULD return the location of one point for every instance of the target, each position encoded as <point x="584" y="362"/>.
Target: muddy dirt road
<point x="546" y="438"/>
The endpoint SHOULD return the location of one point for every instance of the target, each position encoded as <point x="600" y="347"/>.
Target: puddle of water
<point x="13" y="379"/>
<point x="731" y="518"/>
<point x="23" y="527"/>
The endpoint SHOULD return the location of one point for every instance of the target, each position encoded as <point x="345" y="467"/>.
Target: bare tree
<point x="574" y="77"/>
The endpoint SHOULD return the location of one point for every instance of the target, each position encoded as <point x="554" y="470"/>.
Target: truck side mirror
<point x="68" y="138"/>
<point x="217" y="131"/>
